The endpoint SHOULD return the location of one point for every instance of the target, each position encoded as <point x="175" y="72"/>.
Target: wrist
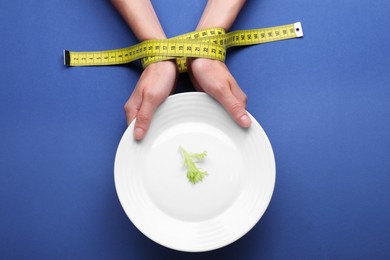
<point x="169" y="66"/>
<point x="201" y="64"/>
<point x="220" y="13"/>
<point x="141" y="18"/>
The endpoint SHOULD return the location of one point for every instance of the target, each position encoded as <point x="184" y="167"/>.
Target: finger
<point x="238" y="93"/>
<point x="144" y="116"/>
<point x="235" y="108"/>
<point x="132" y="106"/>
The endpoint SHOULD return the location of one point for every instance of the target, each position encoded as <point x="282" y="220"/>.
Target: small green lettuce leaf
<point x="194" y="174"/>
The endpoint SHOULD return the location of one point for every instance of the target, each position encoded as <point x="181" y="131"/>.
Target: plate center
<point x="165" y="177"/>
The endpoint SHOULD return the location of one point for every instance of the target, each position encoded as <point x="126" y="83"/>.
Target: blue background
<point x="323" y="100"/>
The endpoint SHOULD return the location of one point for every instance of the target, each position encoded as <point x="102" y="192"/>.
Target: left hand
<point x="214" y="78"/>
<point x="156" y="83"/>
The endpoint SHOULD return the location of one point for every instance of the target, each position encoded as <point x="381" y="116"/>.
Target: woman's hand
<point x="214" y="78"/>
<point x="158" y="79"/>
<point x="156" y="83"/>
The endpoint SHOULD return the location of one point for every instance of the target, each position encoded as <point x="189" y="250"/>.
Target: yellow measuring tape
<point x="209" y="43"/>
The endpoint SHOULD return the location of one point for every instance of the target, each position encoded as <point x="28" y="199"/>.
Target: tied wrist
<point x="208" y="43"/>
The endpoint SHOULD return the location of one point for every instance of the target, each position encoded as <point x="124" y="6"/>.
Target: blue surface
<point x="323" y="100"/>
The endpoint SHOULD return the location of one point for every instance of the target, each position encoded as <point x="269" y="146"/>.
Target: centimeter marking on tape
<point x="209" y="43"/>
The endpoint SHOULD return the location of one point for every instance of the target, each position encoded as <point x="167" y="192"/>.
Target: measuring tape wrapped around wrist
<point x="209" y="43"/>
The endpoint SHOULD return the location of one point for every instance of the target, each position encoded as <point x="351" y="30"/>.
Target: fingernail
<point x="139" y="133"/>
<point x="245" y="120"/>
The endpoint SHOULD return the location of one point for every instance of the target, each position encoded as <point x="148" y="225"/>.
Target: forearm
<point x="141" y="17"/>
<point x="220" y="13"/>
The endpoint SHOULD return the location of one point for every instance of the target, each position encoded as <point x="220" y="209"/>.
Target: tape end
<point x="298" y="29"/>
<point x="66" y="58"/>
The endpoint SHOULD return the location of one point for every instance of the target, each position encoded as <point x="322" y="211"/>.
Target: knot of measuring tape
<point x="209" y="43"/>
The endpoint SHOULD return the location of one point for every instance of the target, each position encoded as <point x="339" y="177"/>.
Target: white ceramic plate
<point x="152" y="186"/>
